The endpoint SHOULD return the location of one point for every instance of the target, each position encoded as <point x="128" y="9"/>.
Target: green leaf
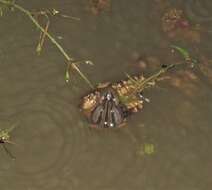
<point x="185" y="55"/>
<point x="182" y="51"/>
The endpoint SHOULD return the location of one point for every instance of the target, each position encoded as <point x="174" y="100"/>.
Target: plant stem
<point x="141" y="85"/>
<point x="42" y="37"/>
<point x="70" y="61"/>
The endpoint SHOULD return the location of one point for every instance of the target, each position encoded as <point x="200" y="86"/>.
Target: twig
<point x="42" y="37"/>
<point x="70" y="60"/>
<point x="143" y="84"/>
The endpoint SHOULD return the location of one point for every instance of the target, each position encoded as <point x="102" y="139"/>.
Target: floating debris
<point x="111" y="103"/>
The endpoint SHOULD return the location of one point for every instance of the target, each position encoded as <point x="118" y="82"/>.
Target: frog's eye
<point x="108" y="96"/>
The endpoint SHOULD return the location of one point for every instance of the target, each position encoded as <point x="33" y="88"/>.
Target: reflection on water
<point x="166" y="146"/>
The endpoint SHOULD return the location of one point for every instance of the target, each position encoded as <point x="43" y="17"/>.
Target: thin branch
<point x="42" y="36"/>
<point x="70" y="60"/>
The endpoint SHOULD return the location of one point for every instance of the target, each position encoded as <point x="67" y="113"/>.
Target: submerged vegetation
<point x="98" y="6"/>
<point x="146" y="149"/>
<point x="176" y="26"/>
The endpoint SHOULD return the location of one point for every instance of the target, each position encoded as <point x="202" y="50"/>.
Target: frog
<point x="105" y="107"/>
<point x="109" y="112"/>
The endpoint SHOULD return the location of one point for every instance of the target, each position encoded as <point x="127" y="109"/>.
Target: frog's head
<point x="109" y="95"/>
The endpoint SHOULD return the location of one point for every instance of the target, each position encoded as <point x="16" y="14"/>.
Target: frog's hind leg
<point x="96" y="115"/>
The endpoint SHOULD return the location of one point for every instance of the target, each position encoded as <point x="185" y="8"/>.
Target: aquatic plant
<point x="139" y="84"/>
<point x="5" y="138"/>
<point x="47" y="13"/>
<point x="70" y="61"/>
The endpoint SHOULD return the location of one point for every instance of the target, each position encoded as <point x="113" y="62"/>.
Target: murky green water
<point x="56" y="149"/>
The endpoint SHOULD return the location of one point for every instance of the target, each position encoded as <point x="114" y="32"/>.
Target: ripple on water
<point x="58" y="150"/>
<point x="47" y="139"/>
<point x="199" y="10"/>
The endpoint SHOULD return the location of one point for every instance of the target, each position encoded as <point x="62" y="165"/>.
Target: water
<point x="56" y="149"/>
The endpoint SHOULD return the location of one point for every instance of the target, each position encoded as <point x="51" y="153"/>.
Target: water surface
<point x="56" y="148"/>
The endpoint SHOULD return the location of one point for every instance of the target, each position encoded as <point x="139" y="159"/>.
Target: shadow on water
<point x="56" y="149"/>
